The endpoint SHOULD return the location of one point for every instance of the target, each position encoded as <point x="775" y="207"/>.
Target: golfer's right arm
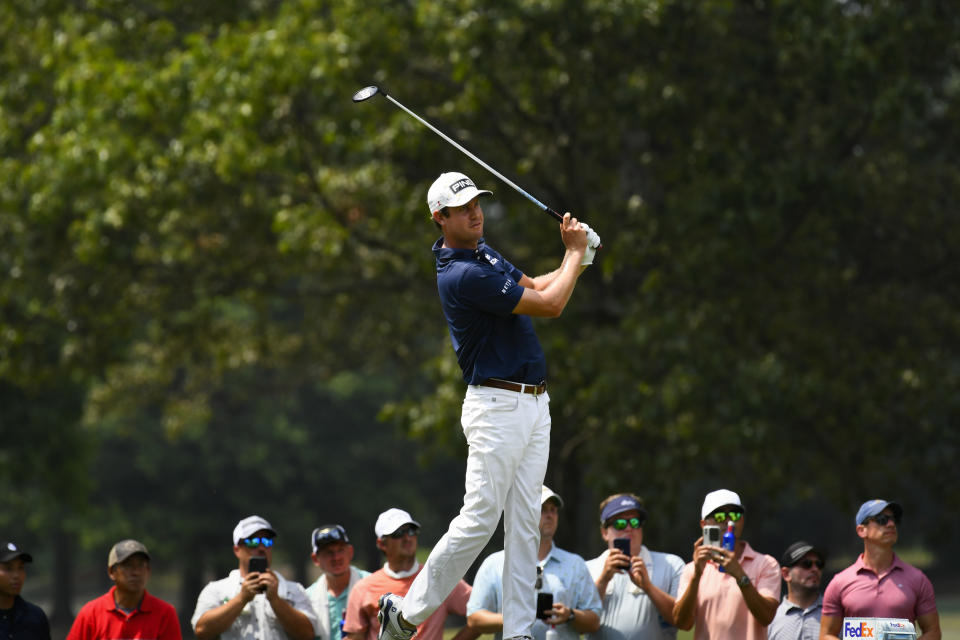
<point x="551" y="300"/>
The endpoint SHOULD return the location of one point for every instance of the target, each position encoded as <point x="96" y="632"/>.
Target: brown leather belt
<point x="497" y="383"/>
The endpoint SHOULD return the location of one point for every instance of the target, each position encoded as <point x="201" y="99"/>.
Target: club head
<point x="366" y="93"/>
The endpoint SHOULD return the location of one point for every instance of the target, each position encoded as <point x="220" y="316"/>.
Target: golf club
<point x="368" y="92"/>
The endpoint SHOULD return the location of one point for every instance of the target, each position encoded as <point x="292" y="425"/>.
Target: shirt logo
<point x="862" y="630"/>
<point x="461" y="184"/>
<point x="490" y="259"/>
<point x="506" y="285"/>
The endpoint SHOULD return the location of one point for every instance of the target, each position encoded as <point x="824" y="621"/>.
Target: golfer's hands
<point x="573" y="234"/>
<point x="593" y="243"/>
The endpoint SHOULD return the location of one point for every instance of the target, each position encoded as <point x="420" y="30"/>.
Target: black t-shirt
<point x="25" y="621"/>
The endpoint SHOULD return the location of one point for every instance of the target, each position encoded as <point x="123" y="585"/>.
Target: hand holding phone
<point x="623" y="544"/>
<point x="544" y="605"/>
<point x="257" y="564"/>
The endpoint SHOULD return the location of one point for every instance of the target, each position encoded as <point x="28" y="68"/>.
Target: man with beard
<point x="798" y="616"/>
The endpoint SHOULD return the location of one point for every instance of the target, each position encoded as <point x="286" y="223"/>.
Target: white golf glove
<point x="593" y="243"/>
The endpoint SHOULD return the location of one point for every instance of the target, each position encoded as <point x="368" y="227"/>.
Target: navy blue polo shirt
<point x="479" y="291"/>
<point x="24" y="621"/>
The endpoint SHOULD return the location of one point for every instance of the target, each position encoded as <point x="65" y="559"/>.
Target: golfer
<point x="506" y="419"/>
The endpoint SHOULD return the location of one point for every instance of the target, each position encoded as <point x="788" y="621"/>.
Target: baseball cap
<point x="249" y="526"/>
<point x="326" y="535"/>
<point x="797" y="550"/>
<point x="546" y="493"/>
<point x="621" y="504"/>
<point x="871" y="508"/>
<point x="719" y="498"/>
<point x="391" y="520"/>
<point x="123" y="550"/>
<point x="452" y="189"/>
<point x="10" y="551"/>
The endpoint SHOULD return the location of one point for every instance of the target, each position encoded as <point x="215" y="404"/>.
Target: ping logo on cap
<point x="461" y="184"/>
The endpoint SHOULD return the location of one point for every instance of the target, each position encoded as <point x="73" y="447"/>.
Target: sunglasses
<point x="328" y="535"/>
<point x="883" y="519"/>
<point x="806" y="563"/>
<point x="403" y="532"/>
<point x="253" y="543"/>
<point x="621" y="523"/>
<point x="723" y="516"/>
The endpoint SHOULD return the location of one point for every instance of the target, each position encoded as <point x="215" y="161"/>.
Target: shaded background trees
<point x="217" y="294"/>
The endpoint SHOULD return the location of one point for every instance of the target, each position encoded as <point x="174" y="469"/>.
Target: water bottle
<point x="552" y="633"/>
<point x="728" y="542"/>
<point x="342" y="620"/>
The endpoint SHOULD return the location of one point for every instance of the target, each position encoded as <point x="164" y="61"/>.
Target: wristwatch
<point x="573" y="613"/>
<point x="744" y="581"/>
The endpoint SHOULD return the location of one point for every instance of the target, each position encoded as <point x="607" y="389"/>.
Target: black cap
<point x="797" y="550"/>
<point x="10" y="551"/>
<point x="327" y="535"/>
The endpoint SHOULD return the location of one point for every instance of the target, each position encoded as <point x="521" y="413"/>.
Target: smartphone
<point x="711" y="535"/>
<point x="257" y="564"/>
<point x="623" y="544"/>
<point x="544" y="603"/>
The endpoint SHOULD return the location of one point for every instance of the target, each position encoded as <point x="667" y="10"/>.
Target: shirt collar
<point x="447" y="254"/>
<point x="789" y="606"/>
<point x="896" y="564"/>
<point x="550" y="555"/>
<point x="143" y="605"/>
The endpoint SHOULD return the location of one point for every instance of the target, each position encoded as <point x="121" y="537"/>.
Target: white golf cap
<point x="249" y="526"/>
<point x="717" y="499"/>
<point x="391" y="520"/>
<point x="546" y="493"/>
<point x="452" y="189"/>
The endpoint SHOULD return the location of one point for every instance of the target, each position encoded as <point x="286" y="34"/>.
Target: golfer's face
<point x="464" y="225"/>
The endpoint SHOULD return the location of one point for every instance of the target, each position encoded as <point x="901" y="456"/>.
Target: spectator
<point x="879" y="584"/>
<point x="576" y="605"/>
<point x="127" y="610"/>
<point x="19" y="619"/>
<point x="332" y="552"/>
<point x="638" y="589"/>
<point x="254" y="605"/>
<point x="488" y="304"/>
<point x="397" y="537"/>
<point x="798" y="616"/>
<point x="738" y="602"/>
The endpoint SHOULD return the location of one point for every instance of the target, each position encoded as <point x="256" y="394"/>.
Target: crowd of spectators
<point x="628" y="592"/>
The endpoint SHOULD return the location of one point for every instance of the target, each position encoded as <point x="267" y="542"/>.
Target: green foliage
<point x="215" y="266"/>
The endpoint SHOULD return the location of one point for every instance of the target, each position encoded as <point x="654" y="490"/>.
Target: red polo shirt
<point x="100" y="619"/>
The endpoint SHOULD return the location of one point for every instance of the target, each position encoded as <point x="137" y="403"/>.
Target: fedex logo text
<point x="862" y="630"/>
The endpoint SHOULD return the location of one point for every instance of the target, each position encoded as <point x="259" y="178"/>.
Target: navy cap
<point x="10" y="551"/>
<point x="873" y="507"/>
<point x="327" y="535"/>
<point x="621" y="504"/>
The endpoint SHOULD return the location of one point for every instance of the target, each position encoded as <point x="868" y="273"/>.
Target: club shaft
<point x="483" y="164"/>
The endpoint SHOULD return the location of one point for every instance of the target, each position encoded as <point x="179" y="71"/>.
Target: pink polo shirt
<point x="902" y="591"/>
<point x="721" y="610"/>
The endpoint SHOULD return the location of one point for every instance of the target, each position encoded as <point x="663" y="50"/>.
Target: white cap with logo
<point x="719" y="498"/>
<point x="452" y="189"/>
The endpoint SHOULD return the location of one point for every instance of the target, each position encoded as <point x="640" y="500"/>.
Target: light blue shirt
<point x="565" y="575"/>
<point x="628" y="612"/>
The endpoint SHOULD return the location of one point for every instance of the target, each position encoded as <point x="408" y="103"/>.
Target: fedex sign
<point x="878" y="629"/>
<point x="857" y="629"/>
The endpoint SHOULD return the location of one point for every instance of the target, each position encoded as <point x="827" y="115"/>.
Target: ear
<point x="785" y="573"/>
<point x="112" y="572"/>
<point x="236" y="551"/>
<point x="349" y="552"/>
<point x="439" y="219"/>
<point x="316" y="560"/>
<point x="381" y="545"/>
<point x="862" y="530"/>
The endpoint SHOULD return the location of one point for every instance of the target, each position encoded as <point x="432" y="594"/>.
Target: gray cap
<point x="123" y="550"/>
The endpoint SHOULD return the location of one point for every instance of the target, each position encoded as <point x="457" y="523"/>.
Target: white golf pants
<point x="508" y="435"/>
